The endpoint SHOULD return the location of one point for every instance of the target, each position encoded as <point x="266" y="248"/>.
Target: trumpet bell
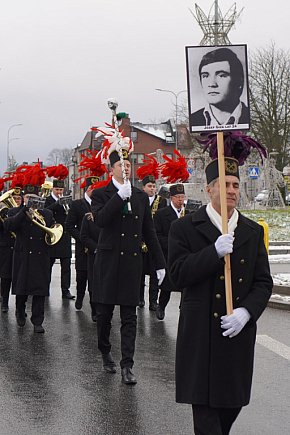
<point x="8" y="199"/>
<point x="53" y="234"/>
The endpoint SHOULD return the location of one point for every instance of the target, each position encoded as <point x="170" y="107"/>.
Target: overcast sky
<point x="61" y="60"/>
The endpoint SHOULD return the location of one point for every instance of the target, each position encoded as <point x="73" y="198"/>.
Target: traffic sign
<point x="253" y="172"/>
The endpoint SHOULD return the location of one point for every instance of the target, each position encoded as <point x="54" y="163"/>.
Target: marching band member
<point x="123" y="214"/>
<point x="62" y="249"/>
<point x="148" y="173"/>
<point x="31" y="262"/>
<point x="172" y="170"/>
<point x="214" y="351"/>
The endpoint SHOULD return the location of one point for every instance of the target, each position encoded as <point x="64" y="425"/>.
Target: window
<point x="140" y="158"/>
<point x="134" y="136"/>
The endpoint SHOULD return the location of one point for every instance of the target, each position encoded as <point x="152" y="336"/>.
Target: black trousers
<point x="5" y="289"/>
<point x="213" y="421"/>
<point x="64" y="270"/>
<point x="81" y="280"/>
<point x="153" y="287"/>
<point x="164" y="298"/>
<point x="37" y="307"/>
<point x="128" y="331"/>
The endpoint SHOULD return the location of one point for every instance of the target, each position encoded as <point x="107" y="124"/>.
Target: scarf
<point x="216" y="219"/>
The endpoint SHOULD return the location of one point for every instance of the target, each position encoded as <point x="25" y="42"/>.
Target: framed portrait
<point x="218" y="93"/>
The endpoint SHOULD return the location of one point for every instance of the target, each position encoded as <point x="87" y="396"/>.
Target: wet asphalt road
<point x="53" y="383"/>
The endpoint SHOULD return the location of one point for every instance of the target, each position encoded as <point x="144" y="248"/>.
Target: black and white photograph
<point x="217" y="79"/>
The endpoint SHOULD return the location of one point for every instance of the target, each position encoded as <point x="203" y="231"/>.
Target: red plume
<point x="101" y="183"/>
<point x="60" y="171"/>
<point x="33" y="174"/>
<point x="92" y="163"/>
<point x="150" y="167"/>
<point x="175" y="170"/>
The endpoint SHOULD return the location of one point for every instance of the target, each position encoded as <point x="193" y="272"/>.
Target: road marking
<point x="274" y="345"/>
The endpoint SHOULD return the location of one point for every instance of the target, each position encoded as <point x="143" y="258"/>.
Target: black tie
<point x="179" y="210"/>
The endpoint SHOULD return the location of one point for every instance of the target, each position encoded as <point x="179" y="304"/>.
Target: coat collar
<point x="203" y="224"/>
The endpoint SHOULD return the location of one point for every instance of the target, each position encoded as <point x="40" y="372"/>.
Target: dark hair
<point x="236" y="67"/>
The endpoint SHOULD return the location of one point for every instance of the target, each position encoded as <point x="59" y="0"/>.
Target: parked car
<point x="262" y="196"/>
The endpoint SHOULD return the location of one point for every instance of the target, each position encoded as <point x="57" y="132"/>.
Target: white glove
<point x="234" y="323"/>
<point x="224" y="244"/>
<point x="125" y="190"/>
<point x="160" y="275"/>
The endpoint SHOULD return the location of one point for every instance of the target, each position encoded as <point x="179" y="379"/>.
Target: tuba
<point x="46" y="188"/>
<point x="6" y="202"/>
<point x="54" y="233"/>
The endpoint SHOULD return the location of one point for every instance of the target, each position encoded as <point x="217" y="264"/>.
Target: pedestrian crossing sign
<point x="253" y="172"/>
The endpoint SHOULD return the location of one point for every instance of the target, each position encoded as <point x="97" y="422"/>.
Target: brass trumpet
<point x="65" y="201"/>
<point x="54" y="233"/>
<point x="6" y="202"/>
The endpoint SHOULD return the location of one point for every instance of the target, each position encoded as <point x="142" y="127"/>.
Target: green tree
<point x="269" y="92"/>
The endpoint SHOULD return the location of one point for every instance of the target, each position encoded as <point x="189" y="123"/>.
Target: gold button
<point x="218" y="296"/>
<point x="215" y="315"/>
<point x="240" y="279"/>
<point x="124" y="216"/>
<point x="135" y="235"/>
<point x="135" y="254"/>
<point x="30" y="252"/>
<point x="30" y="237"/>
<point x="238" y="298"/>
<point x="242" y="261"/>
<point x="122" y="253"/>
<point x="222" y="277"/>
<point x="136" y="217"/>
<point x="122" y="234"/>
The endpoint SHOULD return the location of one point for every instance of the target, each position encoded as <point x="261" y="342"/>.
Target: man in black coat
<point x="31" y="260"/>
<point x="215" y="351"/>
<point x="7" y="240"/>
<point x="162" y="221"/>
<point x="156" y="202"/>
<point x="77" y="211"/>
<point x="62" y="249"/>
<point x="118" y="262"/>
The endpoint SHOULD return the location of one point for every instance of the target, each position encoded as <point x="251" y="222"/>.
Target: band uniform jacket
<point x="118" y="262"/>
<point x="31" y="259"/>
<point x="89" y="235"/>
<point x="211" y="369"/>
<point x="7" y="241"/>
<point x="147" y="257"/>
<point x="162" y="221"/>
<point x="73" y="224"/>
<point x="61" y="249"/>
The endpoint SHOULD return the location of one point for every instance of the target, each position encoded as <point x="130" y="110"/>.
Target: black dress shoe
<point x="128" y="377"/>
<point x="108" y="363"/>
<point x="66" y="294"/>
<point x="94" y="317"/>
<point x="4" y="308"/>
<point x="20" y="318"/>
<point x="39" y="329"/>
<point x="153" y="306"/>
<point x="141" y="304"/>
<point x="160" y="313"/>
<point x="79" y="303"/>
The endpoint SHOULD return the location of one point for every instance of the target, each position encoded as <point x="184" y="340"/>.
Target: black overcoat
<point x="118" y="262"/>
<point x="61" y="249"/>
<point x="148" y="266"/>
<point x="89" y="237"/>
<point x="73" y="224"/>
<point x="162" y="221"/>
<point x="211" y="369"/>
<point x="31" y="259"/>
<point x="7" y="241"/>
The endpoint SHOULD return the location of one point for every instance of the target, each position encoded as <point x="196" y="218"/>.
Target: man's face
<point x="216" y="82"/>
<point x="232" y="193"/>
<point x="150" y="189"/>
<point x="178" y="200"/>
<point x="58" y="191"/>
<point x="117" y="170"/>
<point x="17" y="199"/>
<point x="27" y="196"/>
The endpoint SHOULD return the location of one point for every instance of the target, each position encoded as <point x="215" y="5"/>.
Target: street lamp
<point x="10" y="140"/>
<point x="176" y="95"/>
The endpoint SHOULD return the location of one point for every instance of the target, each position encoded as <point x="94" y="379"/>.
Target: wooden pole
<point x="224" y="215"/>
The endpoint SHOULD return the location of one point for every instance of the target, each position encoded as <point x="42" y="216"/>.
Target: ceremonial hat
<point x="115" y="156"/>
<point x="58" y="183"/>
<point x="149" y="171"/>
<point x="176" y="189"/>
<point x="91" y="180"/>
<point x="91" y="164"/>
<point x="33" y="178"/>
<point x="59" y="173"/>
<point x="231" y="168"/>
<point x="148" y="179"/>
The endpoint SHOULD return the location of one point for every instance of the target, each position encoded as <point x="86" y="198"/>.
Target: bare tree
<point x="59" y="155"/>
<point x="269" y="82"/>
